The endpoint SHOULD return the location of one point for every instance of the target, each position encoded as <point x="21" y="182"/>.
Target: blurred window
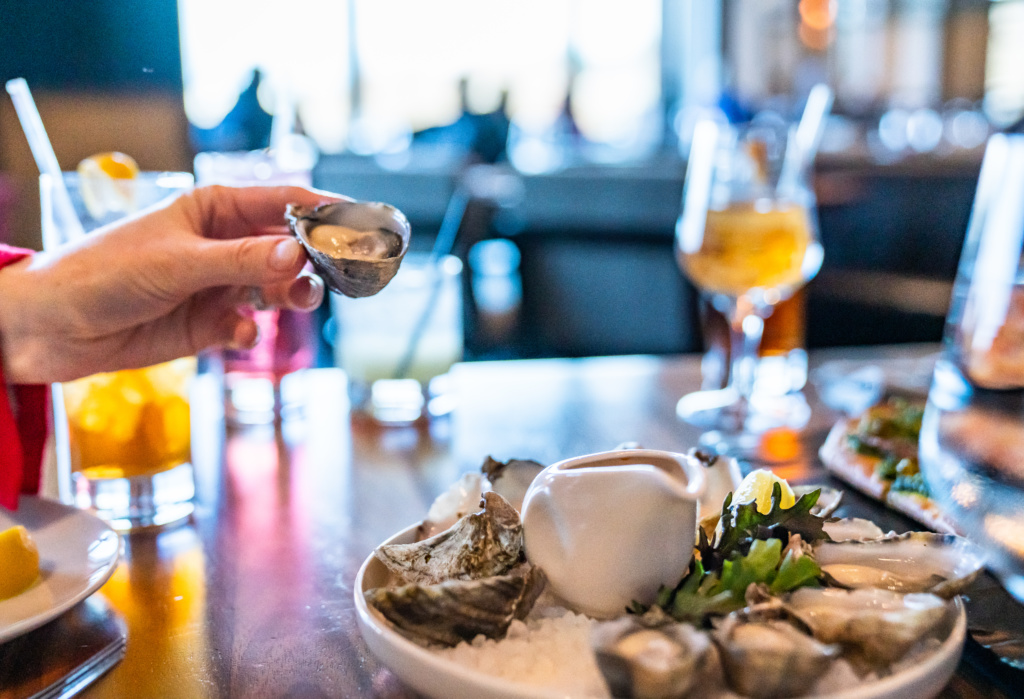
<point x="367" y="73"/>
<point x="1004" y="73"/>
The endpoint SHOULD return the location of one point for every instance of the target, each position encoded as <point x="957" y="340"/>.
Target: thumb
<point x="248" y="261"/>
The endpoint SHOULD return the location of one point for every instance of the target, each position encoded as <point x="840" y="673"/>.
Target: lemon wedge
<point x="106" y="182"/>
<point x="19" y="561"/>
<point x="757" y="487"/>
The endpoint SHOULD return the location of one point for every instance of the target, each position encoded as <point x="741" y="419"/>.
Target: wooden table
<point x="254" y="598"/>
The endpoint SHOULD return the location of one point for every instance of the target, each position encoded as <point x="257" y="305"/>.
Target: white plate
<point x="437" y="677"/>
<point x="77" y="554"/>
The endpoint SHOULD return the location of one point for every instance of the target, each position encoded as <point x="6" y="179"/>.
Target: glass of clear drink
<point x="748" y="239"/>
<point x="972" y="435"/>
<point x="123" y="438"/>
<point x="397" y="346"/>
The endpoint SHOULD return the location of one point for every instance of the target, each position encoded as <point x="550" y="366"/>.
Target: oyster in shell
<point x="649" y="662"/>
<point x="356" y="247"/>
<point x="477" y="546"/>
<point x="881" y="624"/>
<point x="769" y="659"/>
<point x="450" y="612"/>
<point x="943" y="564"/>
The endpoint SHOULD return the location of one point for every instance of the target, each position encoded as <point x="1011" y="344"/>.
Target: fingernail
<point x="285" y="255"/>
<point x="306" y="292"/>
<point x="246" y="335"/>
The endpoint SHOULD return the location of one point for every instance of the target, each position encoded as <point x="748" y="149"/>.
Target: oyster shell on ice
<point x="450" y="612"/>
<point x="883" y="625"/>
<point x="477" y="546"/>
<point x="943" y="564"/>
<point x="356" y="247"/>
<point x="770" y="659"/>
<point x="660" y="661"/>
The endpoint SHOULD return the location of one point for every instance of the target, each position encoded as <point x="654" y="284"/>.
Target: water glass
<point x="123" y="439"/>
<point x="972" y="436"/>
<point x="397" y="346"/>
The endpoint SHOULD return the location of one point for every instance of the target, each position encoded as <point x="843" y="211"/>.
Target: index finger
<point x="233" y="212"/>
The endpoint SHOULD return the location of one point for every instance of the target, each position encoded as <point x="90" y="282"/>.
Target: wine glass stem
<point x="745" y="330"/>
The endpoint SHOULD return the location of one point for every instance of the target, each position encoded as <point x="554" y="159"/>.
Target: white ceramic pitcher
<point x="612" y="527"/>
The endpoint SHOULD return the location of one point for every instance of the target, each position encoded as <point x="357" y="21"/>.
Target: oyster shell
<point x="356" y="247"/>
<point x="852" y="529"/>
<point x="477" y="546"/>
<point x="453" y="611"/>
<point x="881" y="624"/>
<point x="943" y="564"/>
<point x="511" y="479"/>
<point x="769" y="659"/>
<point x="452" y="505"/>
<point x="659" y="662"/>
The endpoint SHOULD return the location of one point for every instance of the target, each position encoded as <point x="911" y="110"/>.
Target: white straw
<point x="803" y="146"/>
<point x="46" y="159"/>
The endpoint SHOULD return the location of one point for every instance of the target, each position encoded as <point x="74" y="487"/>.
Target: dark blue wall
<point x="108" y="45"/>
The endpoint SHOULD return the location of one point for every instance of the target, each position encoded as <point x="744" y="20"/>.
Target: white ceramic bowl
<point x="439" y="678"/>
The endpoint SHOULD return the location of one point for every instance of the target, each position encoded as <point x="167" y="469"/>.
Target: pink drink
<point x="287" y="338"/>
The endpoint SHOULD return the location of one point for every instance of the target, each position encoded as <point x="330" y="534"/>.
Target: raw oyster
<point x="452" y="505"/>
<point x="943" y="564"/>
<point x="356" y="247"/>
<point x="852" y="529"/>
<point x="459" y="610"/>
<point x="881" y="624"/>
<point x="649" y="662"/>
<point x="511" y="479"/>
<point x="477" y="546"/>
<point x="770" y="659"/>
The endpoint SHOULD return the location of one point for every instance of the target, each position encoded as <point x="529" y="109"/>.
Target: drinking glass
<point x="748" y="239"/>
<point x="972" y="435"/>
<point x="258" y="382"/>
<point x="397" y="346"/>
<point x="124" y="437"/>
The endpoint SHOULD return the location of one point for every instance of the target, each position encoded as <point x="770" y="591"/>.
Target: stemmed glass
<point x="748" y="238"/>
<point x="972" y="436"/>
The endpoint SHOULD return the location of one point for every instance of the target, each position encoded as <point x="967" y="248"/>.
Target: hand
<point x="166" y="283"/>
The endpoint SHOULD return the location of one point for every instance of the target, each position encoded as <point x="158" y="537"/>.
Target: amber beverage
<point x="746" y="247"/>
<point x="784" y="334"/>
<point x="130" y="423"/>
<point x="122" y="439"/>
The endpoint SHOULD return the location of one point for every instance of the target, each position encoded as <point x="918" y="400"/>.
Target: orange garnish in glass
<point x="106" y="182"/>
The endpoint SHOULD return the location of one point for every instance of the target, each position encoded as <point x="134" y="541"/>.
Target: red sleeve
<point x="22" y="425"/>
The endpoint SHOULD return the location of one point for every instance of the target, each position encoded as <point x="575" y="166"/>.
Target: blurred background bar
<point x="580" y="111"/>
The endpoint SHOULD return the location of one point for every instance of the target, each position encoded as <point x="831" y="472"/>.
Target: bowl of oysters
<point x="773" y="597"/>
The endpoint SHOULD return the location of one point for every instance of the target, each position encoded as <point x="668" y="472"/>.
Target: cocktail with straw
<point x="123" y="438"/>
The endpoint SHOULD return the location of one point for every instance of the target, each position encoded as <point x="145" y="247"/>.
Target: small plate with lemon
<point x="52" y="557"/>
